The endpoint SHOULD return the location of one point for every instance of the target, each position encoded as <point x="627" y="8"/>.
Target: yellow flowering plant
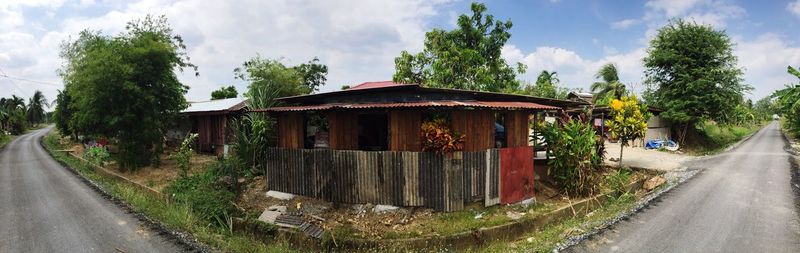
<point x="628" y="121"/>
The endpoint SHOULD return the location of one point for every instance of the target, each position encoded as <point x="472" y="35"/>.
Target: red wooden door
<point x="516" y="174"/>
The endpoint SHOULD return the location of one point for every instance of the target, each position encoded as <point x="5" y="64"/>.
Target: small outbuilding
<point x="211" y="121"/>
<point x="363" y="145"/>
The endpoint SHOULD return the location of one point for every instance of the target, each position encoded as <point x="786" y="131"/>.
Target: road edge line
<point x="183" y="239"/>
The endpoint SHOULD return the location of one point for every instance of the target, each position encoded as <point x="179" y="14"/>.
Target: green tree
<point x="467" y="57"/>
<point x="224" y="92"/>
<point x="609" y="87"/>
<point x="314" y="73"/>
<point x="125" y="87"/>
<point x="63" y="113"/>
<point x="13" y="113"/>
<point x="694" y="74"/>
<point x="36" y="106"/>
<point x="546" y="86"/>
<point x="628" y="121"/>
<point x="787" y="102"/>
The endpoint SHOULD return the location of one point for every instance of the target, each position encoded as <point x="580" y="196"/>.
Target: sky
<point x="359" y="39"/>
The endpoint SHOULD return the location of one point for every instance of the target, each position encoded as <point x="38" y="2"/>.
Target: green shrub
<point x="575" y="155"/>
<point x="618" y="182"/>
<point x="183" y="156"/>
<point x="97" y="155"/>
<point x="720" y="135"/>
<point x="208" y="199"/>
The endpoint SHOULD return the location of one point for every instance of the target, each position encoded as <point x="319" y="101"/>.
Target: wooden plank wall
<point x="343" y="130"/>
<point x="290" y="130"/>
<point x="404" y="128"/>
<point x="477" y="126"/>
<point x="517" y="128"/>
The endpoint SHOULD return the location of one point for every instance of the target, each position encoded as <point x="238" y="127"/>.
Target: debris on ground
<point x="269" y="216"/>
<point x="654" y="182"/>
<point x="384" y="208"/>
<point x="280" y="195"/>
<point x="514" y="215"/>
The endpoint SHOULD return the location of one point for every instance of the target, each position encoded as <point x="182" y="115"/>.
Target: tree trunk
<point x="621" y="146"/>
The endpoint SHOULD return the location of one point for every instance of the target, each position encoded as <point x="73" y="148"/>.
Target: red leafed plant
<point x="437" y="137"/>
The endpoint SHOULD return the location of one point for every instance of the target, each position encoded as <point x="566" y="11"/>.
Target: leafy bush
<point x="97" y="155"/>
<point x="183" y="156"/>
<point x="618" y="182"/>
<point x="575" y="154"/>
<point x="437" y="137"/>
<point x="204" y="195"/>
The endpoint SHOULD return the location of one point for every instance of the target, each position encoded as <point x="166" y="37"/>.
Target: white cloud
<point x="672" y="8"/>
<point x="625" y="23"/>
<point x="357" y="39"/>
<point x="794" y="7"/>
<point x="715" y="13"/>
<point x="765" y="60"/>
<point x="575" y="71"/>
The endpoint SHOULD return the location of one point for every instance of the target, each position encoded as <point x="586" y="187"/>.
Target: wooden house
<point x="211" y="119"/>
<point x="363" y="145"/>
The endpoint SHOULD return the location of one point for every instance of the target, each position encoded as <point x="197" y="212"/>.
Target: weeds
<point x="174" y="215"/>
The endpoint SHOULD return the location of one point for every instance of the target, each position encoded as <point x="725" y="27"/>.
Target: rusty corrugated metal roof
<point x="372" y="85"/>
<point x="442" y="103"/>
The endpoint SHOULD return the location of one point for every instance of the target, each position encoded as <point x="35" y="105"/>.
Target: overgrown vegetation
<point x="183" y="155"/>
<point x="97" y="155"/>
<point x="787" y="102"/>
<point x="178" y="215"/>
<point x="205" y="193"/>
<point x="575" y="155"/>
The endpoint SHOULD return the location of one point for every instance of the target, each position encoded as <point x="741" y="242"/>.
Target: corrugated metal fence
<point x="442" y="182"/>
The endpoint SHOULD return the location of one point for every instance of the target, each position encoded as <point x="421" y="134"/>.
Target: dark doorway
<point x="373" y="132"/>
<point x="500" y="140"/>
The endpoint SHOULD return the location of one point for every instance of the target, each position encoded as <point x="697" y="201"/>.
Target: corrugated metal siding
<point x="442" y="182"/>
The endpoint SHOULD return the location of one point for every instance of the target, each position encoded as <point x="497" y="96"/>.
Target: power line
<point x="29" y="80"/>
<point x="15" y="83"/>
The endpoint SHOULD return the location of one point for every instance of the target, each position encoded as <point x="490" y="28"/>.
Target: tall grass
<point x="716" y="137"/>
<point x="173" y="215"/>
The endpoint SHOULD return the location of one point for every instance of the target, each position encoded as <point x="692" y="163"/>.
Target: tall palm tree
<point x="610" y="84"/>
<point x="545" y="85"/>
<point x="36" y="106"/>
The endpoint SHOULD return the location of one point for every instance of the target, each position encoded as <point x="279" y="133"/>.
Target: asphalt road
<point x="45" y="208"/>
<point x="741" y="202"/>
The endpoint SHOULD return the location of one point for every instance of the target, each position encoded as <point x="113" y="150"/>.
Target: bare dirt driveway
<point x="742" y="201"/>
<point x="45" y="208"/>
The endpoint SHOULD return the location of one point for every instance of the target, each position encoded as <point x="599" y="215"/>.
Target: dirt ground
<point x="361" y="220"/>
<point x="643" y="158"/>
<point x="157" y="177"/>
